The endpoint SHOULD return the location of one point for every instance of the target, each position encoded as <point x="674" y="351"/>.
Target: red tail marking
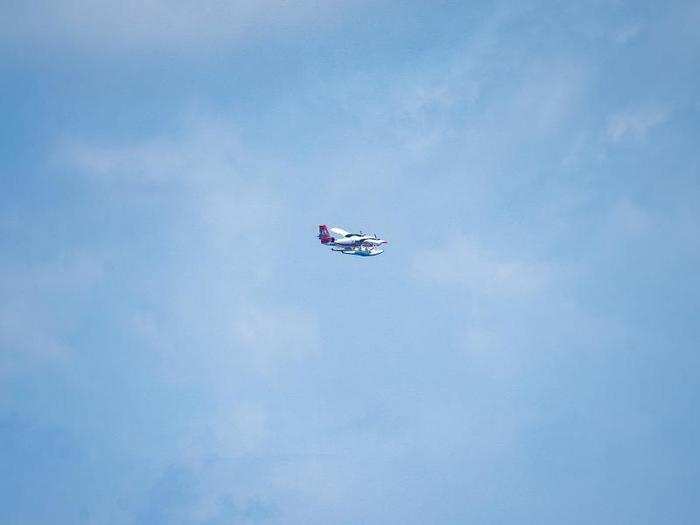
<point x="324" y="235"/>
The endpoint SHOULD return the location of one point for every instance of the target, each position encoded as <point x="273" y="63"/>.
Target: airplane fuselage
<point x="350" y="243"/>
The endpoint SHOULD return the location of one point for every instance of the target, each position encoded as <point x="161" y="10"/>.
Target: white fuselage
<point x="354" y="239"/>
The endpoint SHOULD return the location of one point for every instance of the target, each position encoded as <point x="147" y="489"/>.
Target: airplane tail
<point x="324" y="235"/>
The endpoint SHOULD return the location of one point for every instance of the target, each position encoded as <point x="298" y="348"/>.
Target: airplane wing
<point x="340" y="231"/>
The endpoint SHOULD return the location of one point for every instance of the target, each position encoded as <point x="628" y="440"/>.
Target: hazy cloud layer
<point x="635" y="124"/>
<point x="176" y="347"/>
<point x="185" y="26"/>
<point x="464" y="264"/>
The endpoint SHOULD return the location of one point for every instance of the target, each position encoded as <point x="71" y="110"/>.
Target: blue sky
<point x="175" y="346"/>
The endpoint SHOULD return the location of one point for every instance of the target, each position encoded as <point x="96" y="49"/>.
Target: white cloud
<point x="627" y="33"/>
<point x="33" y="324"/>
<point x="197" y="334"/>
<point x="480" y="340"/>
<point x="324" y="480"/>
<point x="629" y="218"/>
<point x="201" y="321"/>
<point x="635" y="123"/>
<point x="269" y="336"/>
<point x="200" y="149"/>
<point x="233" y="429"/>
<point x="546" y="97"/>
<point x="464" y="264"/>
<point x="185" y="25"/>
<point x="202" y="166"/>
<point x="217" y="211"/>
<point x="27" y="337"/>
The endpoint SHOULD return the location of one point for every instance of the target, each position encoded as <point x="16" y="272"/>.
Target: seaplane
<point x="350" y="243"/>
